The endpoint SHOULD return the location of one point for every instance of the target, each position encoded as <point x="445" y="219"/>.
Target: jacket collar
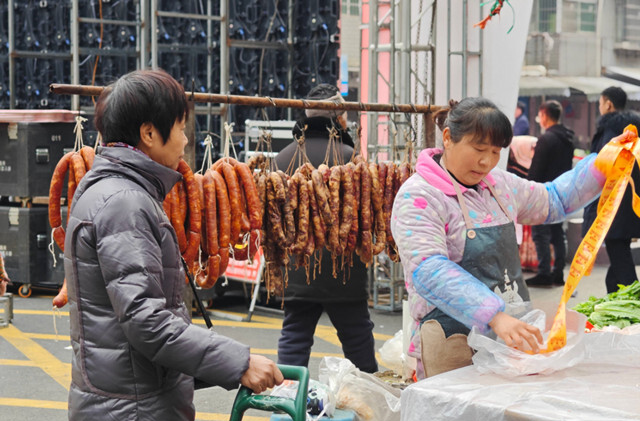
<point x="435" y="175"/>
<point x="133" y="164"/>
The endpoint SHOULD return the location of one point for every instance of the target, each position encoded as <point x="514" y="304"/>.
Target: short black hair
<point x="522" y="106"/>
<point x="617" y="96"/>
<point x="479" y="117"/>
<point x="141" y="96"/>
<point x="552" y="109"/>
<point x="323" y="91"/>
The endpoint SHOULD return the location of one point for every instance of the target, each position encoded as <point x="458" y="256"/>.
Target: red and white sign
<point x="244" y="271"/>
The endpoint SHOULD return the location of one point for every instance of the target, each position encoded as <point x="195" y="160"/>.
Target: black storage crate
<point x="25" y="235"/>
<point x="29" y="152"/>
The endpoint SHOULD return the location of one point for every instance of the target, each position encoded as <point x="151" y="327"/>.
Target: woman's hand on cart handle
<point x="515" y="332"/>
<point x="261" y="375"/>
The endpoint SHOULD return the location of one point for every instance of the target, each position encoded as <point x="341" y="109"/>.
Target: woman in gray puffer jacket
<point x="135" y="352"/>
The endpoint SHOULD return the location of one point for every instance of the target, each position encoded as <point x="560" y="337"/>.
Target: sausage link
<point x="62" y="298"/>
<point x="322" y="197"/>
<point x="183" y="206"/>
<point x="71" y="186"/>
<point x="348" y="203"/>
<point x="377" y="199"/>
<point x="223" y="212"/>
<point x="293" y="189"/>
<point x="233" y="189"/>
<point x="79" y="170"/>
<point x="55" y="193"/>
<point x="353" y="232"/>
<point x="254" y="210"/>
<point x="365" y="197"/>
<point x="316" y="218"/>
<point x="333" y="240"/>
<point x="199" y="178"/>
<point x="88" y="155"/>
<point x="213" y="272"/>
<point x="274" y="211"/>
<point x="210" y="226"/>
<point x="325" y="171"/>
<point x="302" y="234"/>
<point x="404" y="172"/>
<point x="195" y="211"/>
<point x="224" y="260"/>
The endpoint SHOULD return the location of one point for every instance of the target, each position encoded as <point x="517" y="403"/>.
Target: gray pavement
<point x="35" y="354"/>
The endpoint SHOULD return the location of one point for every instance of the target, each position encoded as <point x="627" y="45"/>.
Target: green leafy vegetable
<point x="620" y="308"/>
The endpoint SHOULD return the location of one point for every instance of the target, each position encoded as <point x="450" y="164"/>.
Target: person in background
<point x="4" y="278"/>
<point x="453" y="225"/>
<point x="135" y="351"/>
<point x="553" y="156"/>
<point x="521" y="123"/>
<point x="626" y="225"/>
<point x="343" y="298"/>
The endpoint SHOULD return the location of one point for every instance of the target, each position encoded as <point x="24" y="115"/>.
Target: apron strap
<point x="495" y="196"/>
<point x="463" y="205"/>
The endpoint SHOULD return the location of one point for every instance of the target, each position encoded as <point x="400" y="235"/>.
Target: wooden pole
<point x="256" y="101"/>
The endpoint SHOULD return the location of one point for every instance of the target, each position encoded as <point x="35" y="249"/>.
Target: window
<point x="351" y="7"/>
<point x="587" y="17"/>
<point x="547" y="15"/>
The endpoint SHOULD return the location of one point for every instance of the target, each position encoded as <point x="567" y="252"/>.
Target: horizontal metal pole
<point x="257" y="101"/>
<point x="167" y="14"/>
<point x="108" y="52"/>
<point x="280" y="45"/>
<point x="109" y="21"/>
<point x="41" y="55"/>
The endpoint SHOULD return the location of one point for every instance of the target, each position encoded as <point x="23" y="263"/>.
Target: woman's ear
<point x="446" y="138"/>
<point x="146" y="134"/>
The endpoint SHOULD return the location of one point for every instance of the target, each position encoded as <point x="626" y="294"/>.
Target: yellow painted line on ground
<point x="42" y="312"/>
<point x="48" y="336"/>
<point x="20" y="363"/>
<point x="33" y="403"/>
<point x="382" y="336"/>
<point x="57" y="370"/>
<point x="41" y="404"/>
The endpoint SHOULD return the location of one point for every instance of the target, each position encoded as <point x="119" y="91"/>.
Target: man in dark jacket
<point x="135" y="352"/>
<point x="626" y="225"/>
<point x="345" y="298"/>
<point x="553" y="156"/>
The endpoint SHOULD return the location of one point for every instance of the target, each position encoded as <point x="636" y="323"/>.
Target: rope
<point x="56" y="313"/>
<point x="52" y="249"/>
<point x="77" y="129"/>
<point x="228" y="141"/>
<point x="207" y="160"/>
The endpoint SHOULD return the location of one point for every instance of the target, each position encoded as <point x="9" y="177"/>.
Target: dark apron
<point x="491" y="255"/>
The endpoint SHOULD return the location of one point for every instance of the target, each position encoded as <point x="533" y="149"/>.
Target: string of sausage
<point x="76" y="165"/>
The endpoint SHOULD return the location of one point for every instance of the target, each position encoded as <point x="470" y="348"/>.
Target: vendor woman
<point x="453" y="222"/>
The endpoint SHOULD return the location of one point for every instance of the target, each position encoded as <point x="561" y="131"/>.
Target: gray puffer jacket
<point x="135" y="352"/>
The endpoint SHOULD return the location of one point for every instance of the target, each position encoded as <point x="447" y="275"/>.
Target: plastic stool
<point x="6" y="305"/>
<point x="338" y="415"/>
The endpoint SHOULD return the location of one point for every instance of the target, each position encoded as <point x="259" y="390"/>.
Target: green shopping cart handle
<point x="297" y="408"/>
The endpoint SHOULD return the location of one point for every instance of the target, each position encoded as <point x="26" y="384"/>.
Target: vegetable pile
<point x="620" y="308"/>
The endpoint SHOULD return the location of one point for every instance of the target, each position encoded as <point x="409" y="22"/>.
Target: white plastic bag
<point x="391" y="354"/>
<point x="494" y="356"/>
<point x="369" y="397"/>
<point x="323" y="400"/>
